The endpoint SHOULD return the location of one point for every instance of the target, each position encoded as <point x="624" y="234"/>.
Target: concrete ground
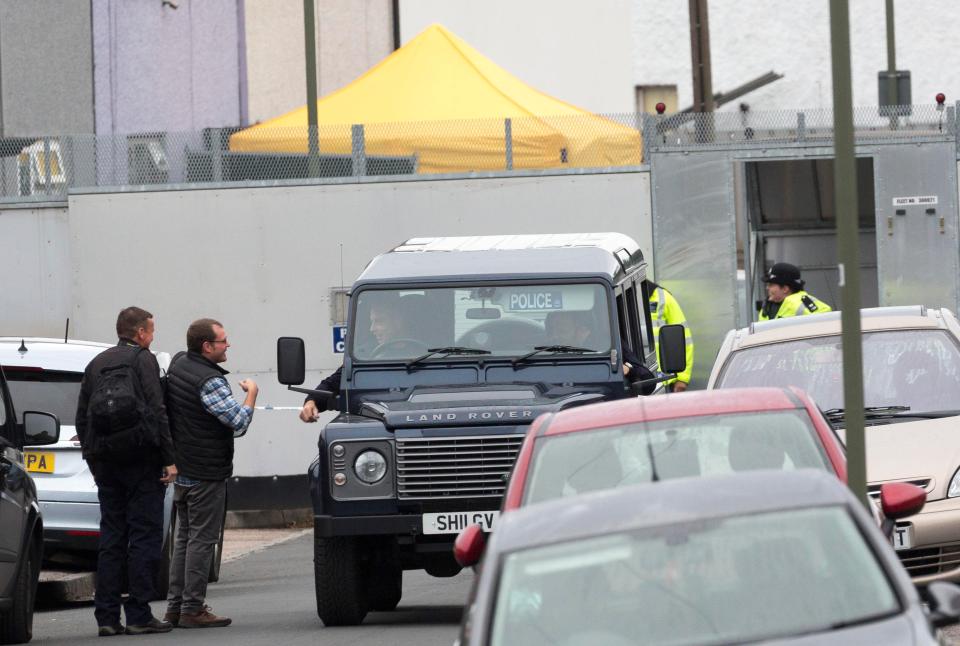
<point x="66" y="586"/>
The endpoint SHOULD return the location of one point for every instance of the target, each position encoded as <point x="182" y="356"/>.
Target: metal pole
<point x="892" y="80"/>
<point x="848" y="248"/>
<point x="700" y="51"/>
<point x="358" y="150"/>
<point x="310" y="52"/>
<point x="891" y="55"/>
<point x="508" y="142"/>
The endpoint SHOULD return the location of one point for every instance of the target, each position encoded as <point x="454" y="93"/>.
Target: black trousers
<point x="131" y="540"/>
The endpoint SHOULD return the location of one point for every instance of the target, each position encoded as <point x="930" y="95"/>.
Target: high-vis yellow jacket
<point x="665" y="310"/>
<point x="797" y="304"/>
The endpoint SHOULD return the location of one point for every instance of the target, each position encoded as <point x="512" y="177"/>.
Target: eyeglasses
<point x="223" y="340"/>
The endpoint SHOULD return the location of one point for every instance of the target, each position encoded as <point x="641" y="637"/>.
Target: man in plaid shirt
<point x="204" y="418"/>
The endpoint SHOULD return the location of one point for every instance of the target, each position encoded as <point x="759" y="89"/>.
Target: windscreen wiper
<point x="553" y="349"/>
<point x="445" y="351"/>
<point x="870" y="412"/>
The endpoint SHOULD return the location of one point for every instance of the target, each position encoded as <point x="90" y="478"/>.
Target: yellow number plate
<point x="39" y="462"/>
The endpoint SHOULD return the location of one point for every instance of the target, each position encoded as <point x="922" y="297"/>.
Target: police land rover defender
<point x="454" y="346"/>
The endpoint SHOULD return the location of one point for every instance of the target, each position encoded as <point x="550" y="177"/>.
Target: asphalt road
<point x="269" y="595"/>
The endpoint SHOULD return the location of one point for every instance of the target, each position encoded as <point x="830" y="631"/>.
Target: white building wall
<point x="793" y="39"/>
<point x="35" y="248"/>
<point x="352" y="36"/>
<point x="266" y="270"/>
<point x="579" y="52"/>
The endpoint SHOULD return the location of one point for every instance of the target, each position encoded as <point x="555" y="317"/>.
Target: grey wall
<point x="164" y="69"/>
<point x="46" y="82"/>
<point x="35" y="257"/>
<point x="262" y="261"/>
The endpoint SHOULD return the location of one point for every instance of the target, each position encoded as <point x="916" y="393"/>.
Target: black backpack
<point x="118" y="413"/>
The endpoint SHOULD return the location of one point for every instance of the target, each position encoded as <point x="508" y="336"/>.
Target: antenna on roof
<point x="66" y="333"/>
<point x="23" y="348"/>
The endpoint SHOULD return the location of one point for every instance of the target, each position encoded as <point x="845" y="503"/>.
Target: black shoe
<point x="152" y="626"/>
<point x="111" y="631"/>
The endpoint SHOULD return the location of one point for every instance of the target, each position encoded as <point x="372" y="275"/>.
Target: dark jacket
<point x="204" y="444"/>
<point x="148" y="371"/>
<point x="331" y="384"/>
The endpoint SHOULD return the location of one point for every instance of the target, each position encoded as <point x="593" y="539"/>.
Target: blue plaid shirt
<point x="218" y="399"/>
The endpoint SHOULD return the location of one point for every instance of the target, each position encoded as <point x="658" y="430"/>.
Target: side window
<point x="622" y="322"/>
<point x="633" y="319"/>
<point x="3" y="403"/>
<point x="647" y="322"/>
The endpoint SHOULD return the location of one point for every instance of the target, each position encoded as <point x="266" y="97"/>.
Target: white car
<point x="45" y="374"/>
<point x="911" y="374"/>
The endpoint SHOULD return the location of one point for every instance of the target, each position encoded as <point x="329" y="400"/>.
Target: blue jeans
<point x="131" y="540"/>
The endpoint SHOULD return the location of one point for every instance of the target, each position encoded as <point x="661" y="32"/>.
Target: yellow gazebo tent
<point x="441" y="100"/>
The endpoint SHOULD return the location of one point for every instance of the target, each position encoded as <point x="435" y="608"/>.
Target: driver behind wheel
<point x="392" y="335"/>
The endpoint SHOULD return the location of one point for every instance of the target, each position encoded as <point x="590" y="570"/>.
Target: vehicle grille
<point x="935" y="559"/>
<point x="455" y="467"/>
<point x="873" y="490"/>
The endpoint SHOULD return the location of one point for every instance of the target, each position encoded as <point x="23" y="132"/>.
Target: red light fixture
<point x="662" y="107"/>
<point x="941" y="98"/>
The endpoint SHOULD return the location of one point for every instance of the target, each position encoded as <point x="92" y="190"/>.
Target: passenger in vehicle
<point x="785" y="295"/>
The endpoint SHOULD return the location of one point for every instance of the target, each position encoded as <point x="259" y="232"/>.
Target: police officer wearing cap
<point x="785" y="295"/>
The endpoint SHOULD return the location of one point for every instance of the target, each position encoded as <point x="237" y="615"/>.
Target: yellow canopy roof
<point x="441" y="100"/>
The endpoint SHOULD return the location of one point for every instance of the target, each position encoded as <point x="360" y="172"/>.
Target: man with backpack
<point x="125" y="438"/>
<point x="205" y="419"/>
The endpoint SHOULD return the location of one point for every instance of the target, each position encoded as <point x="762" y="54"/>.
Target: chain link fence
<point x="37" y="169"/>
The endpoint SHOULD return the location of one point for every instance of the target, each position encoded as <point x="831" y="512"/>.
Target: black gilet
<point x="203" y="444"/>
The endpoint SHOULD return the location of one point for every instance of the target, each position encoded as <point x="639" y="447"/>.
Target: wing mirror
<point x="901" y="499"/>
<point x="673" y="349"/>
<point x="469" y="546"/>
<point x="291" y="366"/>
<point x="944" y="601"/>
<point x="291" y="361"/>
<point x="40" y="428"/>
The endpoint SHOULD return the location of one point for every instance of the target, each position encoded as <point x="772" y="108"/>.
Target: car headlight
<point x="370" y="466"/>
<point x="954" y="489"/>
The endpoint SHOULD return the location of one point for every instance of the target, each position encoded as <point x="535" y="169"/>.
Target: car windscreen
<point x="50" y="391"/>
<point x="723" y="581"/>
<point x="573" y="463"/>
<point x="915" y="368"/>
<point x="499" y="320"/>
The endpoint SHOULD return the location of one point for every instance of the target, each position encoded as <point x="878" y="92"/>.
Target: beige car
<point x="911" y="370"/>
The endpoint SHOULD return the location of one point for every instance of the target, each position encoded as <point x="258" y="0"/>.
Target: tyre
<point x="214" y="575"/>
<point x="339" y="581"/>
<point x="16" y="624"/>
<point x="384" y="586"/>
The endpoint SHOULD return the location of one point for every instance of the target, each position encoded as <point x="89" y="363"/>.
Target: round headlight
<point x="370" y="466"/>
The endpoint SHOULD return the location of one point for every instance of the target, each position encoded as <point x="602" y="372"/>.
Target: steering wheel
<point x="418" y="346"/>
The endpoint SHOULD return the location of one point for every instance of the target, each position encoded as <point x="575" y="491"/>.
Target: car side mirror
<point x="291" y="361"/>
<point x="901" y="499"/>
<point x="469" y="546"/>
<point x="944" y="601"/>
<point x="40" y="428"/>
<point x="672" y="341"/>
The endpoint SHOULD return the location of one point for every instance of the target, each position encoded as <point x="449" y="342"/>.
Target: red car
<point x="686" y="434"/>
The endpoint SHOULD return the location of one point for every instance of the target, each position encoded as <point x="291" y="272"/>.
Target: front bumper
<point x="935" y="554"/>
<point x="397" y="524"/>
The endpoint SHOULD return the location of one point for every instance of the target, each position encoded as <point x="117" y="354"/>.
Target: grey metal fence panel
<point x="694" y="237"/>
<point x="45" y="168"/>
